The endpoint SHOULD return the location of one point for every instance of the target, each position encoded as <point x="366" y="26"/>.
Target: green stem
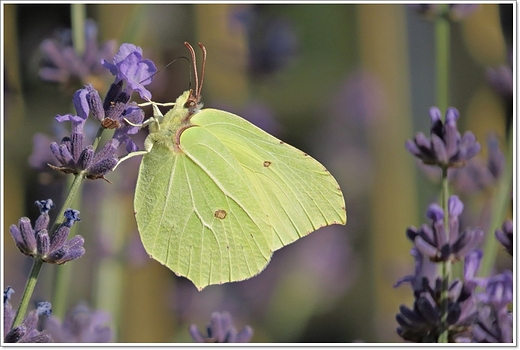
<point x="442" y="52"/>
<point x="500" y="204"/>
<point x="446" y="265"/>
<point x="28" y="291"/>
<point x="78" y="15"/>
<point x="60" y="218"/>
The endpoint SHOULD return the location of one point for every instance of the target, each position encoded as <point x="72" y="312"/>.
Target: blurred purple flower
<point x="499" y="290"/>
<point x="478" y="174"/>
<point x="495" y="324"/>
<point x="272" y="40"/>
<point x="431" y="239"/>
<point x="501" y="79"/>
<point x="505" y="236"/>
<point x="61" y="63"/>
<point x="81" y="325"/>
<point x="130" y="67"/>
<point x="26" y="332"/>
<point x="221" y="330"/>
<point x="445" y="147"/>
<point x="36" y="242"/>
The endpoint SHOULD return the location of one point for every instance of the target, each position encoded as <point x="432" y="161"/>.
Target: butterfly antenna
<point x="192" y="52"/>
<point x="204" y="54"/>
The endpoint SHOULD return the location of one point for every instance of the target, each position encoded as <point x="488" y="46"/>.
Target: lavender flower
<point x="505" y="236"/>
<point x="423" y="322"/>
<point x="61" y="62"/>
<point x="114" y="113"/>
<point x="81" y="325"/>
<point x="35" y="242"/>
<point x="495" y="324"/>
<point x="272" y="41"/>
<point x="445" y="148"/>
<point x="221" y="330"/>
<point x="479" y="174"/>
<point x="129" y="66"/>
<point x="431" y="239"/>
<point x="26" y="332"/>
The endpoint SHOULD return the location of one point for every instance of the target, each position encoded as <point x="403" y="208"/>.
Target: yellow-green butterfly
<point x="216" y="195"/>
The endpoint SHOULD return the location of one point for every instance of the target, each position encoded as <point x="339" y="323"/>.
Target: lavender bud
<point x="71" y="216"/>
<point x="42" y="240"/>
<point x="27" y="235"/>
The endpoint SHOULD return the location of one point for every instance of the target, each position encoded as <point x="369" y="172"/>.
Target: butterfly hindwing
<point x="196" y="215"/>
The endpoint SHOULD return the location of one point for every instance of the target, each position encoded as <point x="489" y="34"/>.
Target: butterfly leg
<point x="129" y="155"/>
<point x="148" y="144"/>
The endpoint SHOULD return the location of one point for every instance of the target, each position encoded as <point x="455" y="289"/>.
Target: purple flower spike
<point x="61" y="63"/>
<point x="505" y="236"/>
<point x="130" y="67"/>
<point x="27" y="331"/>
<point x="446" y="148"/>
<point x="431" y="239"/>
<point x="423" y="322"/>
<point x="81" y="325"/>
<point x="38" y="244"/>
<point x="221" y="330"/>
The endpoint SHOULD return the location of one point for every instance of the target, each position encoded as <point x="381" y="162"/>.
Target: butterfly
<point x="216" y="195"/>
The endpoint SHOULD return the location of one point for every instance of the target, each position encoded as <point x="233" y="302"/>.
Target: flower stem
<point x="28" y="291"/>
<point x="60" y="218"/>
<point x="78" y="15"/>
<point x="442" y="52"/>
<point x="445" y="265"/>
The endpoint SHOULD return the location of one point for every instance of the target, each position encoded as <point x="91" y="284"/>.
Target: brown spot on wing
<point x="220" y="214"/>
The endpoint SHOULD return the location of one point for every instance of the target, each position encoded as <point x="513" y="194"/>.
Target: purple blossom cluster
<point x="61" y="62"/>
<point x="37" y="243"/>
<point x="221" y="330"/>
<point x="445" y="147"/>
<point x="132" y="73"/>
<point x="26" y="332"/>
<point x="471" y="315"/>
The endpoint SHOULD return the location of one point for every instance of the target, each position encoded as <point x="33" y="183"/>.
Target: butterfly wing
<point x="297" y="193"/>
<point x="196" y="215"/>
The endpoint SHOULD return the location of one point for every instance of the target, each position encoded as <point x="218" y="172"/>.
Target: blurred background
<point x="346" y="83"/>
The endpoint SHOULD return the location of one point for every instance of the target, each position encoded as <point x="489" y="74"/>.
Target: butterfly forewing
<point x="296" y="192"/>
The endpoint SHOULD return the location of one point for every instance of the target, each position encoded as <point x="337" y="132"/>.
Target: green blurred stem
<point x="446" y="265"/>
<point x="78" y="13"/>
<point x="28" y="291"/>
<point x="442" y="52"/>
<point x="500" y="204"/>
